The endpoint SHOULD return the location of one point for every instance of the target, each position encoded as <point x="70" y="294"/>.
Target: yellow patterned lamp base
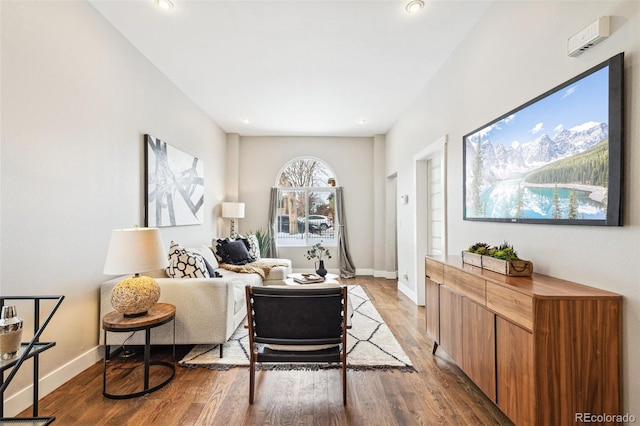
<point x="134" y="296"/>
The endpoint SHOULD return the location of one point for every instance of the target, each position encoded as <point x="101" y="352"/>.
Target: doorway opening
<point x="431" y="207"/>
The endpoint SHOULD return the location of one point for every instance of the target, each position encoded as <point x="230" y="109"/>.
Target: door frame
<point x="421" y="185"/>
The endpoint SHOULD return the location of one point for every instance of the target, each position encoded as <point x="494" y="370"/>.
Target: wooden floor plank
<point x="437" y="393"/>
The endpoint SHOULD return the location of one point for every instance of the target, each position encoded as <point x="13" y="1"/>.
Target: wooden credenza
<point x="543" y="349"/>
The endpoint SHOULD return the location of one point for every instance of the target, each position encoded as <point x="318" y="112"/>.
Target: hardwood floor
<point x="438" y="393"/>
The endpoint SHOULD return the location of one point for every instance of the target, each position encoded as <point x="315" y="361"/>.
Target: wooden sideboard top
<point x="537" y="285"/>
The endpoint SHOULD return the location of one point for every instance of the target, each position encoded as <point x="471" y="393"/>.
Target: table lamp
<point x="233" y="211"/>
<point x="132" y="251"/>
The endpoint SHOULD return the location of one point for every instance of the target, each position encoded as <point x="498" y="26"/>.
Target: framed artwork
<point x="174" y="183"/>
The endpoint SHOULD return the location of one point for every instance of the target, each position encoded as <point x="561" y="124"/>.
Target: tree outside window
<point x="306" y="204"/>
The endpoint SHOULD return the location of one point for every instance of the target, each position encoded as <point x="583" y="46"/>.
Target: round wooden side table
<point x="116" y="322"/>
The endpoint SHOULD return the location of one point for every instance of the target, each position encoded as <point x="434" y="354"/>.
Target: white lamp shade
<point x="135" y="250"/>
<point x="233" y="210"/>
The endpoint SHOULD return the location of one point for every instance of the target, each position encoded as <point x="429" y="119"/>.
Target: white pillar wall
<point x="379" y="228"/>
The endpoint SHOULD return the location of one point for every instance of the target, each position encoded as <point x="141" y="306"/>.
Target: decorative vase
<point x="10" y="332"/>
<point x="320" y="268"/>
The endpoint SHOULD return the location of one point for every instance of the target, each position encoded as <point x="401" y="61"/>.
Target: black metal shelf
<point x="32" y="421"/>
<point x="32" y="349"/>
<point x="36" y="349"/>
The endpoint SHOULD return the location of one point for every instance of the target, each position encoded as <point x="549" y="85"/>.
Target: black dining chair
<point x="295" y="324"/>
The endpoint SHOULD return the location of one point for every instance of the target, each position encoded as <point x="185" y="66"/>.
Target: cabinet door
<point x="514" y="361"/>
<point x="479" y="343"/>
<point x="432" y="303"/>
<point x="451" y="323"/>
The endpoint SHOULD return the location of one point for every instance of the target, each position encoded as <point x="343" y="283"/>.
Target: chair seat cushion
<point x="299" y="348"/>
<point x="266" y="354"/>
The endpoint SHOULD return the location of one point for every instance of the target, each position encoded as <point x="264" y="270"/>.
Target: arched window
<point x="306" y="203"/>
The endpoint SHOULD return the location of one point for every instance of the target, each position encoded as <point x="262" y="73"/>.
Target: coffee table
<point x="328" y="279"/>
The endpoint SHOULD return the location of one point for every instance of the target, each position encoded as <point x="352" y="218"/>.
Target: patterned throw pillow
<point x="185" y="264"/>
<point x="233" y="252"/>
<point x="254" y="246"/>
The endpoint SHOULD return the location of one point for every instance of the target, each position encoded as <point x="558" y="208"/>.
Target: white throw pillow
<point x="185" y="264"/>
<point x="208" y="255"/>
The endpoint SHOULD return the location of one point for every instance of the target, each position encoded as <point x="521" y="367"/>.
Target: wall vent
<point x="589" y="36"/>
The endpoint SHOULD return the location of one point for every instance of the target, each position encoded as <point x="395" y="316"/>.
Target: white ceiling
<point x="304" y="67"/>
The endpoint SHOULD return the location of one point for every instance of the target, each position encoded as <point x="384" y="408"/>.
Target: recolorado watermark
<point x="604" y="418"/>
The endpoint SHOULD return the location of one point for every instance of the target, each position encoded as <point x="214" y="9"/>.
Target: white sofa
<point x="208" y="310"/>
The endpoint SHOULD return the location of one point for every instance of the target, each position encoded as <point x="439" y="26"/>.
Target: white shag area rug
<point x="370" y="345"/>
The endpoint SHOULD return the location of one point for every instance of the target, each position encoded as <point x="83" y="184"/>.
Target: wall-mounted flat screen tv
<point x="556" y="159"/>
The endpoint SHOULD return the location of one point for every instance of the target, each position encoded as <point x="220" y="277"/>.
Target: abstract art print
<point x="174" y="182"/>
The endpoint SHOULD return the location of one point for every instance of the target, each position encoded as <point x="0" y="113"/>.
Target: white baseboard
<point x="387" y="275"/>
<point x="408" y="292"/>
<point x="23" y="399"/>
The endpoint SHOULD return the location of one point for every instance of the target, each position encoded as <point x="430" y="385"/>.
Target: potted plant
<point x="473" y="255"/>
<point x="502" y="259"/>
<point x="264" y="242"/>
<point x="318" y="251"/>
<point x="331" y="181"/>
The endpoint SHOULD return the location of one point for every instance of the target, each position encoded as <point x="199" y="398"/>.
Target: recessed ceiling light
<point x="246" y="120"/>
<point x="362" y="121"/>
<point x="414" y="6"/>
<point x="164" y="4"/>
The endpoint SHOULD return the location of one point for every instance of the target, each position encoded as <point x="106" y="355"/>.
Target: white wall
<point x="516" y="52"/>
<point x="76" y="101"/>
<point x="352" y="159"/>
